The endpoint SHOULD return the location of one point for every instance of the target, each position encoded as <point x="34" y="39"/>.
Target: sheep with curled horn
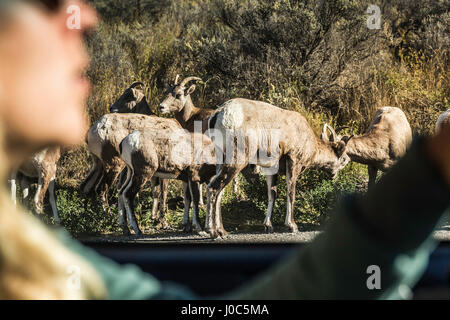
<point x="179" y="102"/>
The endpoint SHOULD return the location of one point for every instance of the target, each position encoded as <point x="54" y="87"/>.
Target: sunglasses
<point x="50" y="5"/>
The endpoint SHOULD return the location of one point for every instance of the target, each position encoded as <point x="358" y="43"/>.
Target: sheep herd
<point x="131" y="146"/>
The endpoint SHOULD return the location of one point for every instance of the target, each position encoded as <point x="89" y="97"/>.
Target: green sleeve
<point x="126" y="282"/>
<point x="409" y="200"/>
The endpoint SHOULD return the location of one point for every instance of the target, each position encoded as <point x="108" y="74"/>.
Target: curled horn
<point x="176" y="79"/>
<point x="342" y="128"/>
<point x="324" y="133"/>
<point x="188" y="79"/>
<point x="135" y="84"/>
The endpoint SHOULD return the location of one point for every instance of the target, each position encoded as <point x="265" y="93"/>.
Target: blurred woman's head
<point x="42" y="98"/>
<point x="42" y="63"/>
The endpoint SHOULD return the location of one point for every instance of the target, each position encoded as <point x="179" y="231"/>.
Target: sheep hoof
<point x="222" y="232"/>
<point x="214" y="234"/>
<point x="187" y="228"/>
<point x="197" y="229"/>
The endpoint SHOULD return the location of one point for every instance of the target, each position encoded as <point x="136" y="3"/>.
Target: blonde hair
<point x="33" y="263"/>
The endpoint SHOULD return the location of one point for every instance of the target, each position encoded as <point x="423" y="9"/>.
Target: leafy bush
<point x="315" y="57"/>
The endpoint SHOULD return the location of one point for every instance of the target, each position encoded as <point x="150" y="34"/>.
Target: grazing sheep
<point x="42" y="166"/>
<point x="289" y="144"/>
<point x="384" y="142"/>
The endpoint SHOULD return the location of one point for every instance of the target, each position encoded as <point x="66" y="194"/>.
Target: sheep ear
<point x="190" y="90"/>
<point x="339" y="148"/>
<point x="138" y="94"/>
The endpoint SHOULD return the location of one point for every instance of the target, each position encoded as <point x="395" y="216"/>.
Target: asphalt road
<point x="443" y="234"/>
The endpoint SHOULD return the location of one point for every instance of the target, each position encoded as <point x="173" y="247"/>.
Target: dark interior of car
<point x="213" y="269"/>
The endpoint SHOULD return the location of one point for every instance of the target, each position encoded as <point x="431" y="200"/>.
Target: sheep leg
<point x="372" y="176"/>
<point x="109" y="177"/>
<point x="236" y="185"/>
<point x="219" y="221"/>
<point x="13" y="188"/>
<point x="121" y="207"/>
<point x="43" y="183"/>
<point x="156" y="194"/>
<point x="25" y="186"/>
<point x="94" y="174"/>
<point x="164" y="187"/>
<point x="122" y="178"/>
<point x="220" y="181"/>
<point x="129" y="194"/>
<point x="51" y="190"/>
<point x="195" y="195"/>
<point x="292" y="172"/>
<point x="187" y="206"/>
<point x="272" y="196"/>
<point x="200" y="190"/>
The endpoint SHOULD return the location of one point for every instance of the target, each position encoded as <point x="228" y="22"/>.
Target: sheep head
<point x="178" y="95"/>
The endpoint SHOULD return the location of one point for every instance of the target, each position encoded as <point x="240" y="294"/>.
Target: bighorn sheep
<point x="444" y="120"/>
<point x="179" y="101"/>
<point x="287" y="140"/>
<point x="384" y="142"/>
<point x="105" y="171"/>
<point x="165" y="153"/>
<point x="42" y="166"/>
<point x="104" y="138"/>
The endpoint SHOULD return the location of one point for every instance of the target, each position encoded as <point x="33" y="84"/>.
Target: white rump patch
<point x="130" y="144"/>
<point x="231" y="117"/>
<point x="101" y="129"/>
